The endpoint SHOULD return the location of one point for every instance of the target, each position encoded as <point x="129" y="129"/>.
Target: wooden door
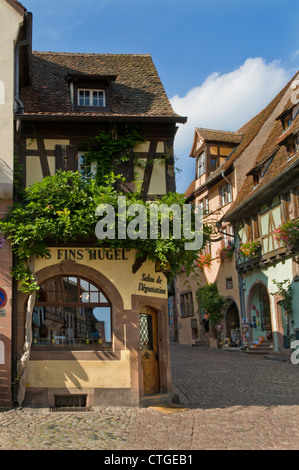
<point x="149" y="350"/>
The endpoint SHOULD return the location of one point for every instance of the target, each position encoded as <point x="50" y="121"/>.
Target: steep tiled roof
<point x="190" y="189"/>
<point x="137" y="90"/>
<point x="272" y="160"/>
<point x="211" y="135"/>
<point x="293" y="129"/>
<point x="247" y="133"/>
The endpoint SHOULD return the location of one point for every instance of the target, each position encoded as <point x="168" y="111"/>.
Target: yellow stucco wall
<point x="118" y="271"/>
<point x="80" y="374"/>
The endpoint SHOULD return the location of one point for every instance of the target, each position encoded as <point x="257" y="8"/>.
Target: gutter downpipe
<point x="225" y="178"/>
<point x="25" y="42"/>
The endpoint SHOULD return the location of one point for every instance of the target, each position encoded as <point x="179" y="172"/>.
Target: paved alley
<point x="228" y="401"/>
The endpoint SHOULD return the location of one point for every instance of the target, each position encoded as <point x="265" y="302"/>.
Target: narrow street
<point x="228" y="401"/>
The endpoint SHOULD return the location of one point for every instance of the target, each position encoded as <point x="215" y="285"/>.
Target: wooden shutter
<point x="65" y="156"/>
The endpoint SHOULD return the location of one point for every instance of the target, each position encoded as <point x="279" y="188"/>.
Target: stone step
<point x="262" y="348"/>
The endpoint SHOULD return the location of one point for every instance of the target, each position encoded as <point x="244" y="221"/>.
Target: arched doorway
<point x="232" y="323"/>
<point x="260" y="313"/>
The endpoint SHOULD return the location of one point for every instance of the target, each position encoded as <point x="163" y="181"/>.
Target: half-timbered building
<point x="100" y="324"/>
<point x="247" y="185"/>
<point x="264" y="215"/>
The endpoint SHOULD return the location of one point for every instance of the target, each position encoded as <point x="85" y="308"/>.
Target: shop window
<point x="187" y="304"/>
<point x="71" y="312"/>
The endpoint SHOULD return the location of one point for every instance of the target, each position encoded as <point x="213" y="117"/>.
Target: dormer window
<point x="256" y="177"/>
<point x="90" y="93"/>
<point x="90" y="98"/>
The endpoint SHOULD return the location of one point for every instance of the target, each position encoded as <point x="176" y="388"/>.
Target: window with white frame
<point x="226" y="194"/>
<point x="204" y="205"/>
<point x="86" y="169"/>
<point x="91" y="98"/>
<point x="201" y="164"/>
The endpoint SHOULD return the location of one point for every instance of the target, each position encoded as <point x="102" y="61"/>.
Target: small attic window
<point x="287" y="121"/>
<point x="91" y="98"/>
<point x="257" y="174"/>
<point x="257" y="177"/>
<point x="90" y="93"/>
<point x="291" y="147"/>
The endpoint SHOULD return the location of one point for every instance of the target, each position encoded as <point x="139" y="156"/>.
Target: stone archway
<point x="232" y="322"/>
<point x="259" y="312"/>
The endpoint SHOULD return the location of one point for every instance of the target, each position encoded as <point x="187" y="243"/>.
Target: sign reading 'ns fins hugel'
<point x="78" y="254"/>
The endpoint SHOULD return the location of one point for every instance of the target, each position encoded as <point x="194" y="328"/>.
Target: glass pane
<point x="94" y="297"/>
<point x="146" y="332"/>
<point x="71" y="326"/>
<point x="85" y="297"/>
<point x="103" y="298"/>
<point x="93" y="288"/>
<point x="101" y="99"/>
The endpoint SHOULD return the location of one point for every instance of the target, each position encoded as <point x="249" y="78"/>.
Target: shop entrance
<point x="260" y="313"/>
<point x="149" y="350"/>
<point x="232" y="323"/>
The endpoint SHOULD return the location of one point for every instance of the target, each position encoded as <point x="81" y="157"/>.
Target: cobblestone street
<point x="228" y="400"/>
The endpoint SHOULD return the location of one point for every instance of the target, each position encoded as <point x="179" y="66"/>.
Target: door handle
<point x="157" y="356"/>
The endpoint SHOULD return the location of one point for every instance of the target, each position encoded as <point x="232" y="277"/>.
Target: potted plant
<point x="227" y="252"/>
<point x="204" y="260"/>
<point x="251" y="249"/>
<point x="287" y="234"/>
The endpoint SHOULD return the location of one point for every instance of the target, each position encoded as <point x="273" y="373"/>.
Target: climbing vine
<point x="285" y="291"/>
<point x="61" y="208"/>
<point x="109" y="149"/>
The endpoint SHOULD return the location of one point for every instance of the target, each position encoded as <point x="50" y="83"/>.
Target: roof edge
<point x="17" y="6"/>
<point x="76" y="117"/>
<point x="231" y="215"/>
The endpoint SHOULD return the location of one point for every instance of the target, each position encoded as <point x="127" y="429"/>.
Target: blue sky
<point x="220" y="61"/>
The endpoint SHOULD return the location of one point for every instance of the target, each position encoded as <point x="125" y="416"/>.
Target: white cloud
<point x="226" y="102"/>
